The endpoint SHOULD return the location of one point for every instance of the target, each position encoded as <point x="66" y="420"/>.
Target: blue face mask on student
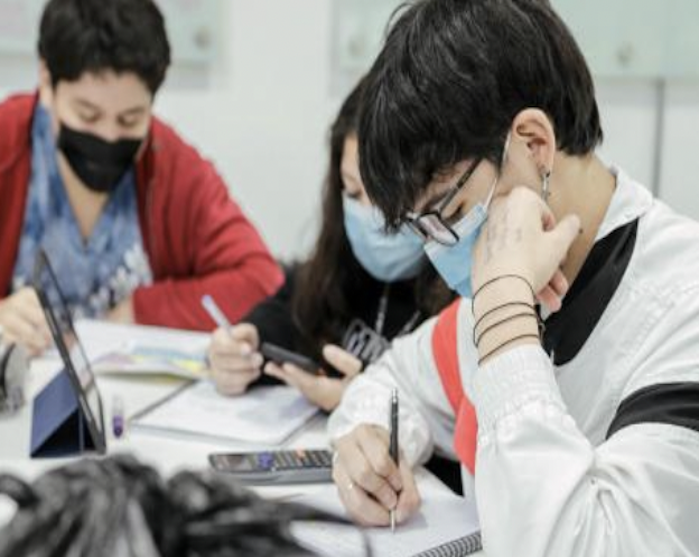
<point x="454" y="263"/>
<point x="386" y="257"/>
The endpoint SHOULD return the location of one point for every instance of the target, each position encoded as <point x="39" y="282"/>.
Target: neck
<point x="86" y="204"/>
<point x="581" y="186"/>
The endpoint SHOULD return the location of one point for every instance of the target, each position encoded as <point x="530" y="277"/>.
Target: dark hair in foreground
<point x="120" y="507"/>
<point x="450" y="79"/>
<point x="79" y="36"/>
<point x="331" y="278"/>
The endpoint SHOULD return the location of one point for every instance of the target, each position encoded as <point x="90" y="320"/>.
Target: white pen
<point x="215" y="312"/>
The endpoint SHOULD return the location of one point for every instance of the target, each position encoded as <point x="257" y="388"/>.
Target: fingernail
<point x="329" y="350"/>
<point x="245" y="349"/>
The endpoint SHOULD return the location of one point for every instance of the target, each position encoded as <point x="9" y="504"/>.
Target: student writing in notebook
<point x="579" y="437"/>
<point x="137" y="225"/>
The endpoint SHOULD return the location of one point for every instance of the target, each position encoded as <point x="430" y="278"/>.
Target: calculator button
<point x="265" y="460"/>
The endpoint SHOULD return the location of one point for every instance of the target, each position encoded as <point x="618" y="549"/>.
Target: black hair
<point x="325" y="283"/>
<point x="450" y="79"/>
<point x="79" y="36"/>
<point x="120" y="506"/>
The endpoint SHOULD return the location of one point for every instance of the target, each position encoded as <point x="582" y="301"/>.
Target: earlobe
<point x="533" y="127"/>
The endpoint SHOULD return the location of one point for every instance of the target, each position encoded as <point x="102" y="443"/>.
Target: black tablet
<point x="72" y="353"/>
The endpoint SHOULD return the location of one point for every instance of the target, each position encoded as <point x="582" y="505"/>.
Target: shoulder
<point x="17" y="109"/>
<point x="174" y="160"/>
<point x="168" y="145"/>
<point x="665" y="264"/>
<point x="661" y="309"/>
<point x="16" y="114"/>
<point x="181" y="176"/>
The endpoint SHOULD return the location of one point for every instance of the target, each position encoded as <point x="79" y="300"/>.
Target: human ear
<point x="533" y="129"/>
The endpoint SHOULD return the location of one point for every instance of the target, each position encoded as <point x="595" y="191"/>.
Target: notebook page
<point x="442" y="517"/>
<point x="265" y="415"/>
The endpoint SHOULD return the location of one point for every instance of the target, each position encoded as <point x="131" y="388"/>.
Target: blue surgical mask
<point x="386" y="257"/>
<point x="453" y="263"/>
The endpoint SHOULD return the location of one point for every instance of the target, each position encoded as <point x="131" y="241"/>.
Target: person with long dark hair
<point x="359" y="289"/>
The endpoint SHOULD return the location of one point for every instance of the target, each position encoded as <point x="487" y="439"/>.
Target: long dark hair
<point x="321" y="304"/>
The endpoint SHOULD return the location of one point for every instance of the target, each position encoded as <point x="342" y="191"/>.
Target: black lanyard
<point x="382" y="312"/>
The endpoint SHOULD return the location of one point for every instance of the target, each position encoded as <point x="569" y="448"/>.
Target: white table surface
<point x="168" y="454"/>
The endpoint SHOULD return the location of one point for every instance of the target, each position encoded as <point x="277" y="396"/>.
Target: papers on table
<point x="138" y="350"/>
<point x="147" y="359"/>
<point x="263" y="416"/>
<point x="443" y="517"/>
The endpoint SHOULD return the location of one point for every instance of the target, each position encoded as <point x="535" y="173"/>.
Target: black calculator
<point x="276" y="467"/>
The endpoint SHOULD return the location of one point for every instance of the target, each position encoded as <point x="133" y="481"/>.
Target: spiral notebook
<point x="445" y="525"/>
<point x="456" y="548"/>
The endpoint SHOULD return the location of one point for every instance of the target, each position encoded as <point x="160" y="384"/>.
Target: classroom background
<point x="255" y="84"/>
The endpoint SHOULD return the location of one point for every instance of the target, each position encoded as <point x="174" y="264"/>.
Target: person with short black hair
<point x="137" y="225"/>
<point x="566" y="379"/>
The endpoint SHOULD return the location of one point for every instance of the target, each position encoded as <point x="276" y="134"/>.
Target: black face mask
<point x="98" y="163"/>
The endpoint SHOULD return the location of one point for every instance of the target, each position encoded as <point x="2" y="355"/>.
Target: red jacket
<point x="196" y="237"/>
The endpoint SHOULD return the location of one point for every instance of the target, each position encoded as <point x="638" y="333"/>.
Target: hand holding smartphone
<point x="281" y="356"/>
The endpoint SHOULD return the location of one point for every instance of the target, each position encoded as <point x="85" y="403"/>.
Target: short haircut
<point x="450" y="79"/>
<point x="81" y="36"/>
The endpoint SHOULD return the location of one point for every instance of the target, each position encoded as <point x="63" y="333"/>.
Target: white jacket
<point x="548" y="480"/>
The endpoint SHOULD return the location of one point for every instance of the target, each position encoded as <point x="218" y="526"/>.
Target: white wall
<point x="262" y="113"/>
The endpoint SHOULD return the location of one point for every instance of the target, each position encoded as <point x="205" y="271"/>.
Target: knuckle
<point x="383" y="466"/>
<point x="386" y="494"/>
<point x="365" y="475"/>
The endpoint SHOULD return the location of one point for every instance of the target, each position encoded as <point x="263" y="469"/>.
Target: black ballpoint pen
<point x="393" y="446"/>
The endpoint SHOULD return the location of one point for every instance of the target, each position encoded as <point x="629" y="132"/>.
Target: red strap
<point x="444" y="349"/>
<point x="445" y="354"/>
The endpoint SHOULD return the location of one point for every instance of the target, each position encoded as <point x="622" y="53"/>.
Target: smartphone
<point x="280" y="356"/>
<point x="276" y="467"/>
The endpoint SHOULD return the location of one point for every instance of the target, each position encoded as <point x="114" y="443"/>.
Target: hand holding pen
<point x="371" y="483"/>
<point x="233" y="353"/>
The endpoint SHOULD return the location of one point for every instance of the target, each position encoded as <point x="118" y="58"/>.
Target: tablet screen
<point x="67" y="342"/>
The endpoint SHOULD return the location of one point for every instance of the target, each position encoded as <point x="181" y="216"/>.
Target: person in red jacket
<point x="136" y="223"/>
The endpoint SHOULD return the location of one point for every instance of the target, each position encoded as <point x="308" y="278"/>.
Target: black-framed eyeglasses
<point x="430" y="225"/>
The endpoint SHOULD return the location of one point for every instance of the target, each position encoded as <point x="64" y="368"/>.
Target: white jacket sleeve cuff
<point x="511" y="381"/>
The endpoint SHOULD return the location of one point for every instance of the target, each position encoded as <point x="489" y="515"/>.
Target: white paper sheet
<point x="101" y="337"/>
<point x="263" y="415"/>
